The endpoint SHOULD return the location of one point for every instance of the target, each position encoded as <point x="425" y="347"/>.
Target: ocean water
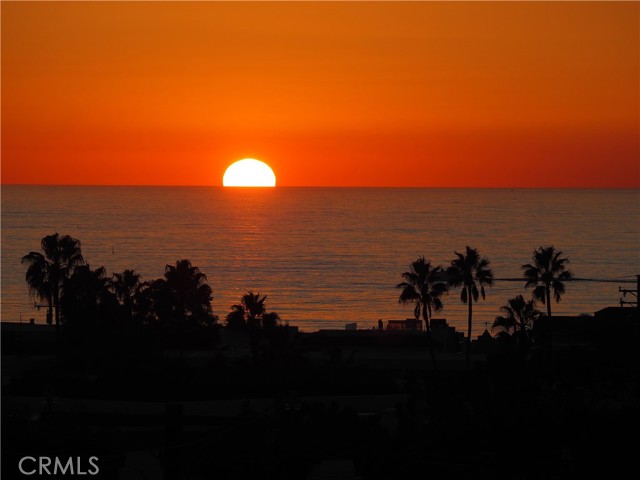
<point x="328" y="256"/>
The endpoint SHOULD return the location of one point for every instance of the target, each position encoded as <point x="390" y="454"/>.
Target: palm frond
<point x="540" y="293"/>
<point x="503" y="324"/>
<point x="547" y="271"/>
<point x="410" y="278"/>
<point x="566" y="275"/>
<point x="474" y="292"/>
<point x="408" y="295"/>
<point x="437" y="305"/>
<point x="423" y="286"/>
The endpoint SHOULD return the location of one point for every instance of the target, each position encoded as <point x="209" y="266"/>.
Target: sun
<point x="249" y="172"/>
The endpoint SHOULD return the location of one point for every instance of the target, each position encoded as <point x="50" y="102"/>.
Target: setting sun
<point x="249" y="173"/>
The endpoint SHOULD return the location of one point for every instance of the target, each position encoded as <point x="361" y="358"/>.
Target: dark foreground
<point x="290" y="411"/>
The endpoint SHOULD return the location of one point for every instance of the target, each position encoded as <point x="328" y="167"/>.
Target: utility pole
<point x="49" y="312"/>
<point x="633" y="293"/>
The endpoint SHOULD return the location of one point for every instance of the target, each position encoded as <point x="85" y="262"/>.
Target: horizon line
<point x="408" y="187"/>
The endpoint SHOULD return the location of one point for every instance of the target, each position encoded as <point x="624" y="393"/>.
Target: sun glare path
<point x="249" y="172"/>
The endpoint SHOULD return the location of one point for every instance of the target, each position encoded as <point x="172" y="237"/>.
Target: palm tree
<point x="47" y="271"/>
<point x="547" y="272"/>
<point x="236" y="318"/>
<point x="252" y="313"/>
<point x="254" y="307"/>
<point x="86" y="297"/>
<point x="38" y="281"/>
<point x="149" y="301"/>
<point x="424" y="286"/>
<point x="184" y="296"/>
<point x="190" y="294"/>
<point x="270" y="319"/>
<point x="519" y="316"/>
<point x="125" y="285"/>
<point x="470" y="270"/>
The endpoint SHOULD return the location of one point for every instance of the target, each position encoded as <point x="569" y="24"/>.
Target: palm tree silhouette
<point x="190" y="294"/>
<point x="47" y="271"/>
<point x="151" y="302"/>
<point x="254" y="307"/>
<point x="424" y="286"/>
<point x="270" y="319"/>
<point x="86" y="297"/>
<point x="125" y="285"/>
<point x="519" y="316"/>
<point x="547" y="272"/>
<point x="470" y="270"/>
<point x="252" y="313"/>
<point x="37" y="277"/>
<point x="187" y="296"/>
<point x="236" y="318"/>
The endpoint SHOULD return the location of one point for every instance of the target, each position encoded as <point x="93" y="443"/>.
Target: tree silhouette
<point x="47" y="271"/>
<point x="270" y="319"/>
<point x="125" y="285"/>
<point x="519" y="316"/>
<point x="86" y="297"/>
<point x="93" y="331"/>
<point x="188" y="291"/>
<point x="424" y="286"/>
<point x="470" y="270"/>
<point x="183" y="297"/>
<point x="143" y="303"/>
<point x="547" y="272"/>
<point x="37" y="277"/>
<point x="254" y="308"/>
<point x="236" y="317"/>
<point x="251" y="313"/>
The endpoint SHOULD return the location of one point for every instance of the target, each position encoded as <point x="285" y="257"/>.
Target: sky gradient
<point x="443" y="94"/>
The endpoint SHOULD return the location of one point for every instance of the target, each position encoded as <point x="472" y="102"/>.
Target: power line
<point x="633" y="292"/>
<point x="600" y="280"/>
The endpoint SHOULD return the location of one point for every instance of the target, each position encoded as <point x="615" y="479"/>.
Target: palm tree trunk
<point x="469" y="326"/>
<point x="524" y="340"/>
<point x="181" y="327"/>
<point x="56" y="305"/>
<point x="49" y="309"/>
<point x="550" y="323"/>
<point x="427" y="326"/>
<point x="548" y="295"/>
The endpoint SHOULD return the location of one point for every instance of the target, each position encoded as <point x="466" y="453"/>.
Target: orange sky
<point x="442" y="94"/>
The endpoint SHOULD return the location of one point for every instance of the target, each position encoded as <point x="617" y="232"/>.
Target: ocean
<point x="326" y="257"/>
